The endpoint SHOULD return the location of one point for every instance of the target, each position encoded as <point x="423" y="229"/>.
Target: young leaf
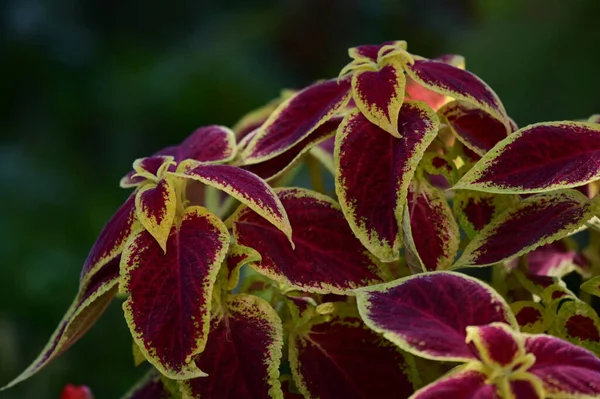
<point x="428" y="314"/>
<point x="242" y="354"/>
<point x="475" y="128"/>
<point x="111" y="240"/>
<point x="498" y="346"/>
<point x="379" y="93"/>
<point x="540" y="157"/>
<point x="155" y="206"/>
<point x="89" y="304"/>
<point x="536" y="221"/>
<point x="273" y="168"/>
<point x="578" y="323"/>
<point x="296" y="118"/>
<point x="168" y="310"/>
<point x="457" y="83"/>
<point x="237" y="257"/>
<point x="566" y="370"/>
<point x="244" y="186"/>
<point x="339" y="357"/>
<point x="327" y="257"/>
<point x="430" y="230"/>
<point x="373" y="171"/>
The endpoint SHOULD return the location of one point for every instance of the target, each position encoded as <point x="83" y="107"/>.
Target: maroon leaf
<point x="538" y="220"/>
<point x="168" y="310"/>
<point x="92" y="299"/>
<point x="566" y="370"/>
<point x="474" y="127"/>
<point x="373" y="52"/>
<point x="150" y="387"/>
<point x="556" y="259"/>
<point x="206" y="144"/>
<point x="428" y="314"/>
<point x="474" y="210"/>
<point x="457" y="83"/>
<point x="540" y="157"/>
<point x="431" y="233"/>
<point x="155" y="206"/>
<point x="242" y="354"/>
<point x="463" y="383"/>
<point x="111" y="240"/>
<point x="342" y="358"/>
<point x="296" y="118"/>
<point x="373" y="171"/>
<point x="327" y="257"/>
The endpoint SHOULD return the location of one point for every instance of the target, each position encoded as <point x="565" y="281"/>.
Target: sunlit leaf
<point x="155" y="206"/>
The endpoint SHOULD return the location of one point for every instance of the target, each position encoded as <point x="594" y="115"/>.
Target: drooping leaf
<point x="537" y="158"/>
<point x="566" y="370"/>
<point x="339" y="357"/>
<point x="430" y="230"/>
<point x="454" y="82"/>
<point x="111" y="240"/>
<point x="474" y="210"/>
<point x="474" y="127"/>
<point x="373" y="171"/>
<point x="155" y="206"/>
<point x="244" y="186"/>
<point x="296" y="118"/>
<point x="379" y="93"/>
<point x="237" y="257"/>
<point x="536" y="221"/>
<point x="531" y="316"/>
<point x="243" y="353"/>
<point x="168" y="309"/>
<point x="274" y="167"/>
<point x="327" y="257"/>
<point x="578" y="323"/>
<point x="150" y="386"/>
<point x="427" y="314"/>
<point x="92" y="299"/>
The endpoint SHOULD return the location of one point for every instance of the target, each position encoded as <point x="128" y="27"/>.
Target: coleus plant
<point x="235" y="285"/>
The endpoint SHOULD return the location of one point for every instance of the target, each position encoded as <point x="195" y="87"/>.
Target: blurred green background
<point x="88" y="86"/>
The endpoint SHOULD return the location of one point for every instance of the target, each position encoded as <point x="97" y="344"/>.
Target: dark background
<point x="88" y="86"/>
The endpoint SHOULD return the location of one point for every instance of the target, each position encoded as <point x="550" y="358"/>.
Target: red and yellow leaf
<point x="474" y="210"/>
<point x="454" y="82"/>
<point x="242" y="354"/>
<point x="327" y="257"/>
<point x="430" y="231"/>
<point x="379" y="93"/>
<point x="541" y="157"/>
<point x="427" y="314"/>
<point x="474" y="127"/>
<point x="536" y="221"/>
<point x="151" y="386"/>
<point x="237" y="257"/>
<point x="92" y="299"/>
<point x="155" y="206"/>
<point x="531" y="316"/>
<point x="206" y="144"/>
<point x="373" y="171"/>
<point x="168" y="309"/>
<point x="498" y="346"/>
<point x="577" y="322"/>
<point x="296" y="118"/>
<point x="339" y="357"/>
<point x="244" y="186"/>
<point x="464" y="383"/>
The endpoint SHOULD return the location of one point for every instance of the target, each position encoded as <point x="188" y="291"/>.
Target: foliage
<point x="238" y="286"/>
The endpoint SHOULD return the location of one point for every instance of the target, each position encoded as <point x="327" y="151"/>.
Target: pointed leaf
<point x="372" y="52"/>
<point x="567" y="371"/>
<point x="429" y="227"/>
<point x="277" y="166"/>
<point x="592" y="286"/>
<point x="373" y="171"/>
<point x="155" y="206"/>
<point x="536" y="221"/>
<point x="145" y="168"/>
<point x="578" y="323"/>
<point x="89" y="304"/>
<point x="327" y="257"/>
<point x="475" y="128"/>
<point x="244" y="186"/>
<point x="243" y="353"/>
<point x="537" y="158"/>
<point x="457" y="83"/>
<point x="496" y="343"/>
<point x="296" y="118"/>
<point x="168" y="310"/>
<point x="111" y="240"/>
<point x="428" y="314"/>
<point x="206" y="144"/>
<point x="474" y="210"/>
<point x="339" y="357"/>
<point x="379" y="94"/>
<point x="237" y="257"/>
